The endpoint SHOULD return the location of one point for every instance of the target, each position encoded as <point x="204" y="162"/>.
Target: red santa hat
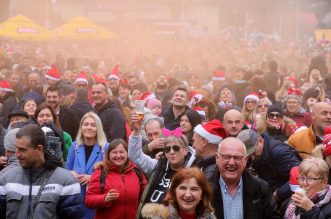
<point x="253" y="96"/>
<point x="99" y="79"/>
<point x="53" y="74"/>
<point x="294" y="174"/>
<point x="6" y="86"/>
<point x="200" y="111"/>
<point x="327" y="142"/>
<point x="293" y="80"/>
<point x="218" y="75"/>
<point x="114" y="73"/>
<point x="147" y="96"/>
<point x="213" y="131"/>
<point x="81" y="78"/>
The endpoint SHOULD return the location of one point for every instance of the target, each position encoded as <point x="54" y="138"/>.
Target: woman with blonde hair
<point x="313" y="199"/>
<point x="88" y="149"/>
<point x="189" y="196"/>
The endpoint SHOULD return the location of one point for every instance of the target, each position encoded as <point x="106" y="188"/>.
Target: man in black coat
<point x="237" y="194"/>
<point x="68" y="121"/>
<point x="112" y="118"/>
<point x="272" y="160"/>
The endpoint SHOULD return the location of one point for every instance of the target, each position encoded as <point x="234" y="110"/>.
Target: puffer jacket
<point x="303" y="141"/>
<point x="128" y="184"/>
<point x="301" y="118"/>
<point x="158" y="211"/>
<point x="60" y="198"/>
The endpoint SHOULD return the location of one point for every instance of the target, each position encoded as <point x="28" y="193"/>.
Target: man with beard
<point x="162" y="91"/>
<point x="112" y="118"/>
<point x="305" y="141"/>
<point x="67" y="119"/>
<point x="233" y="122"/>
<point x="238" y="194"/>
<point x="174" y="112"/>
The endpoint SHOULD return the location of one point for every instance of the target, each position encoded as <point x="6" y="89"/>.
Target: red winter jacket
<point x="127" y="203"/>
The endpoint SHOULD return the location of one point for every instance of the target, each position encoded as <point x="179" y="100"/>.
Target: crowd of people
<point x="217" y="129"/>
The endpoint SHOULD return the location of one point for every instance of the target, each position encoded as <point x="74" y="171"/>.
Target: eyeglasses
<point x="250" y="101"/>
<point x="175" y="148"/>
<point x="227" y="157"/>
<point x="112" y="79"/>
<point x="273" y="115"/>
<point x="308" y="180"/>
<point x="263" y="105"/>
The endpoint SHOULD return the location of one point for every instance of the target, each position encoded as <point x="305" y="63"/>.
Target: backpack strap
<point x="140" y="176"/>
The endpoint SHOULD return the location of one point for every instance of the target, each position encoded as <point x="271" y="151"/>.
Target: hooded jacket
<point x="113" y="121"/>
<point x="128" y="185"/>
<point x="303" y="141"/>
<point x="301" y="118"/>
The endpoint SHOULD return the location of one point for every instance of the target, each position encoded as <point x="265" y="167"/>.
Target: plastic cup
<point x="139" y="108"/>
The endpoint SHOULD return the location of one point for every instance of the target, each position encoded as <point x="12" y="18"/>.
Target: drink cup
<point x="139" y="108"/>
<point x="300" y="191"/>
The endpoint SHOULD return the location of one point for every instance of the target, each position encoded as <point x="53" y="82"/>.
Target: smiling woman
<point x="189" y="197"/>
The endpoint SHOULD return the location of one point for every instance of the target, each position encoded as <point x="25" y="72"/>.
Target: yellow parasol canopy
<point x="22" y="28"/>
<point x="81" y="28"/>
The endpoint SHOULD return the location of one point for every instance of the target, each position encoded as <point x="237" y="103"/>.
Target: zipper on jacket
<point x="124" y="195"/>
<point x="30" y="195"/>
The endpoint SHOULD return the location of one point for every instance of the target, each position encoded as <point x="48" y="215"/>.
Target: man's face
<point x="153" y="130"/>
<point x="14" y="79"/>
<point x="99" y="94"/>
<point x="26" y="154"/>
<point x="70" y="98"/>
<point x="133" y="81"/>
<point x="53" y="99"/>
<point x="322" y="117"/>
<point x="231" y="161"/>
<point x="180" y="98"/>
<point x="233" y="123"/>
<point x="162" y="81"/>
<point x="16" y="119"/>
<point x="33" y="79"/>
<point x="199" y="144"/>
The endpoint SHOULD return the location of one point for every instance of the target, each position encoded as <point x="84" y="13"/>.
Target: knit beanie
<point x="152" y="103"/>
<point x="293" y="96"/>
<point x="10" y="139"/>
<point x="275" y="108"/>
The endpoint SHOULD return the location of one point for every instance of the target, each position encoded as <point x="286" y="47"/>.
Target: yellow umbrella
<point x="81" y="28"/>
<point x="22" y="28"/>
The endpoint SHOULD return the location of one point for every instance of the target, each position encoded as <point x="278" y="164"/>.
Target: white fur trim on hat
<point x="213" y="139"/>
<point x="52" y="78"/>
<point x="218" y="78"/>
<point x="251" y="96"/>
<point x="81" y="80"/>
<point x="6" y="89"/>
<point x="113" y="76"/>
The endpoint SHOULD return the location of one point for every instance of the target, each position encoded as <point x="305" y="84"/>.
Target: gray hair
<point x="182" y="140"/>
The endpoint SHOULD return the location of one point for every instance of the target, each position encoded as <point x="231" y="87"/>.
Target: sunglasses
<point x="263" y="105"/>
<point x="175" y="148"/>
<point x="250" y="101"/>
<point x="275" y="115"/>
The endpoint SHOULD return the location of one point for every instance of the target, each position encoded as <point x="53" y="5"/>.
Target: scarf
<point x="319" y="199"/>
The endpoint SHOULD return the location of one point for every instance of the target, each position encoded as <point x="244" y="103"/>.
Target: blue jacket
<point x="76" y="162"/>
<point x="275" y="165"/>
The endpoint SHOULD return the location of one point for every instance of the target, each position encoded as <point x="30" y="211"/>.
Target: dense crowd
<point x="201" y="128"/>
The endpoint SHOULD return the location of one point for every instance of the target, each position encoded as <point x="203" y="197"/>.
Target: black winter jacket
<point x="258" y="202"/>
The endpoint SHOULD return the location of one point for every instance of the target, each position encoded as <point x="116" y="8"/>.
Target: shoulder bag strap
<point x="37" y="197"/>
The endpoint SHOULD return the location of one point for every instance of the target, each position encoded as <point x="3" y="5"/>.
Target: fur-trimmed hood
<point x="261" y="124"/>
<point x="155" y="211"/>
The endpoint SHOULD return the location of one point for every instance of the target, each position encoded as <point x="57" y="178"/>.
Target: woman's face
<point x="275" y="120"/>
<point x="30" y="107"/>
<point x="293" y="105"/>
<point x="123" y="92"/>
<point x="188" y="195"/>
<point x="316" y="183"/>
<point x="315" y="74"/>
<point x="45" y="116"/>
<point x="250" y="104"/>
<point x="89" y="128"/>
<point x="262" y="107"/>
<point x="226" y="95"/>
<point x="135" y="94"/>
<point x="118" y="156"/>
<point x="185" y="124"/>
<point x="175" y="152"/>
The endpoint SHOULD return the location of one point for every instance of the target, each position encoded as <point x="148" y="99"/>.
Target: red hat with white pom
<point x="81" y="78"/>
<point x="53" y="74"/>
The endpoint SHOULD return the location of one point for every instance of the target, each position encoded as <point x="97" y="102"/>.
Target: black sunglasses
<point x="175" y="148"/>
<point x="273" y="115"/>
